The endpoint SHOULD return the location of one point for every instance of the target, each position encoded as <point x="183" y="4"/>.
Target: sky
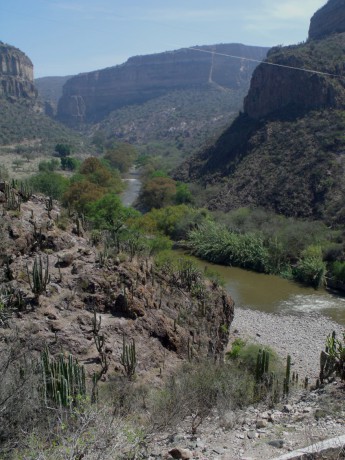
<point x="67" y="37"/>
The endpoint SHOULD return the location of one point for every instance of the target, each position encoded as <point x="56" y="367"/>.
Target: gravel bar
<point x="303" y="336"/>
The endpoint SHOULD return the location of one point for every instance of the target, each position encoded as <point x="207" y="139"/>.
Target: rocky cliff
<point x="16" y="74"/>
<point x="91" y="96"/>
<point x="283" y="87"/>
<point x="286" y="152"/>
<point x="328" y="20"/>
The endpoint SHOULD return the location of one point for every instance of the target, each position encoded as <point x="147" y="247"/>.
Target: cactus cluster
<point x="39" y="277"/>
<point x="25" y="191"/>
<point x="12" y="199"/>
<point x="63" y="380"/>
<point x="128" y="358"/>
<point x="332" y="360"/>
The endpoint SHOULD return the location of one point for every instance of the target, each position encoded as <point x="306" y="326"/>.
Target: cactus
<point x="25" y="191"/>
<point x="262" y="365"/>
<point x="63" y="380"/>
<point x="332" y="360"/>
<point x="100" y="343"/>
<point x="39" y="278"/>
<point x="128" y="358"/>
<point x="49" y="206"/>
<point x="286" y="385"/>
<point x="13" y="201"/>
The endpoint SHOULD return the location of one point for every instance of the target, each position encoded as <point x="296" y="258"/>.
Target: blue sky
<point x="66" y="37"/>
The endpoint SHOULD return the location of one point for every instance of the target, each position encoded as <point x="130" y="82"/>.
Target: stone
<point x="252" y="434"/>
<point x="278" y="443"/>
<point x="287" y="408"/>
<point x="178" y="453"/>
<point x="261" y="423"/>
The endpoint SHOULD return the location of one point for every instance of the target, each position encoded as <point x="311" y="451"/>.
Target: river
<point x="257" y="291"/>
<point x="133" y="184"/>
<point x="272" y="294"/>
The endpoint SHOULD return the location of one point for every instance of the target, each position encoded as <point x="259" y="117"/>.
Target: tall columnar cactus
<point x="49" y="206"/>
<point x="63" y="380"/>
<point x="128" y="358"/>
<point x="39" y="277"/>
<point x="262" y="365"/>
<point x="286" y="389"/>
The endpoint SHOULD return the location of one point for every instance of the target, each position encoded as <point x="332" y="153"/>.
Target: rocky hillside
<point x="131" y="297"/>
<point x="285" y="152"/>
<point x="92" y="96"/>
<point x="16" y="74"/>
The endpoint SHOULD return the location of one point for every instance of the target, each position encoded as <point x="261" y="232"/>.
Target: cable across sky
<point x="267" y="63"/>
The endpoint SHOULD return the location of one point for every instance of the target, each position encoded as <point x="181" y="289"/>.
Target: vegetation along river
<point x="257" y="291"/>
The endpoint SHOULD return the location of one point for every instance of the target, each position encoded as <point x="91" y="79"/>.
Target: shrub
<point x="49" y="183"/>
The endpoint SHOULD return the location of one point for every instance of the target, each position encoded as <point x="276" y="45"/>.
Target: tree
<point x="158" y="193"/>
<point x="63" y="150"/>
<point x="81" y="194"/>
<point x="121" y="156"/>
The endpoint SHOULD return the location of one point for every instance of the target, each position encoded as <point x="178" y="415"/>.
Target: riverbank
<point x="303" y="336"/>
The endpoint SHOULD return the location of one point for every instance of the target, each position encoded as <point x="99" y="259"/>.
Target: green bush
<point x="49" y="183"/>
<point x="311" y="269"/>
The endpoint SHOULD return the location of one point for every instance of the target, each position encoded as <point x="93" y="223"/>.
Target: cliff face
<point x="91" y="96"/>
<point x="328" y="20"/>
<point x="279" y="88"/>
<point x="286" y="152"/>
<point x="16" y="74"/>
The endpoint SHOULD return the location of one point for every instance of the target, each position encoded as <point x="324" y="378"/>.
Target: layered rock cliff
<point x="328" y="20"/>
<point x="16" y="74"/>
<point x="91" y="96"/>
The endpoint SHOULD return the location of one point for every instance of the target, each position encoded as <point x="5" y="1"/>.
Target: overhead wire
<point x="193" y="48"/>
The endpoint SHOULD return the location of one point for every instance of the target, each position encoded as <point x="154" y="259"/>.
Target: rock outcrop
<point x="328" y="20"/>
<point x="167" y="322"/>
<point x="91" y="96"/>
<point x="16" y="74"/>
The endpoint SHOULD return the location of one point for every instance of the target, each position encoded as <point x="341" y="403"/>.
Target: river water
<point x="272" y="294"/>
<point x="133" y="184"/>
<point x="257" y="291"/>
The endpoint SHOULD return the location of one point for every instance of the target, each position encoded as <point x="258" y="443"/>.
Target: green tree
<point x="63" y="150"/>
<point x="50" y="183"/>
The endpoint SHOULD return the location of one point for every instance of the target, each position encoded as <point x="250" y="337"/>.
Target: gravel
<point x="303" y="336"/>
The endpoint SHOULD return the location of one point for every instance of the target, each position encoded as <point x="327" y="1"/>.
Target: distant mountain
<point x="22" y="121"/>
<point x="90" y="97"/>
<point x="286" y="152"/>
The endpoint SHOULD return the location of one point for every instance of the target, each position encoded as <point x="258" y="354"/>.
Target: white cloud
<point x="292" y="9"/>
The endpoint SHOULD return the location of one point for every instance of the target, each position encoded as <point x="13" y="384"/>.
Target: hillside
<point x="89" y="97"/>
<point x="286" y="151"/>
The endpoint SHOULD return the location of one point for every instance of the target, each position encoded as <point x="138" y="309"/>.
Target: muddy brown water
<point x="272" y="294"/>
